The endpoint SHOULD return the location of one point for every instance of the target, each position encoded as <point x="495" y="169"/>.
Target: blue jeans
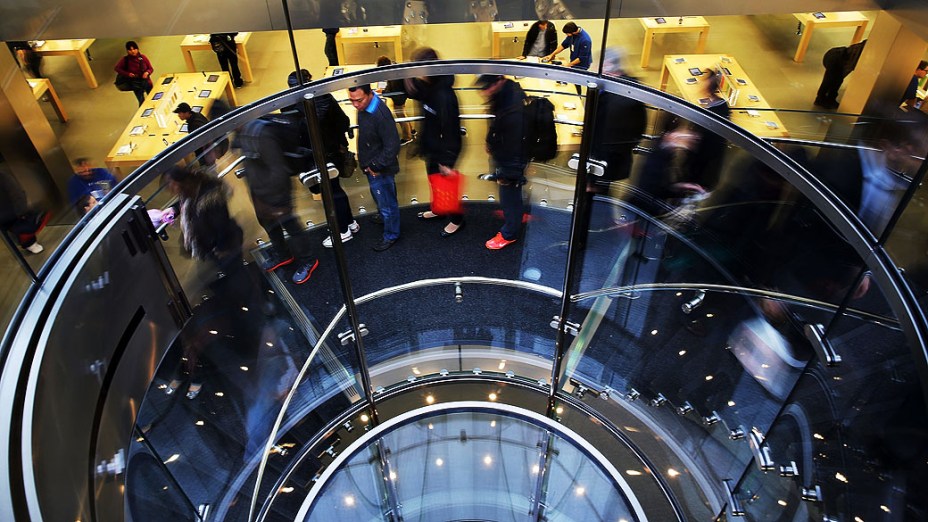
<point x="383" y="190"/>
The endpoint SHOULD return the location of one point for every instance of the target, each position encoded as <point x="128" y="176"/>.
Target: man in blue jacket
<point x="580" y="45"/>
<point x="89" y="180"/>
<point x="378" y="146"/>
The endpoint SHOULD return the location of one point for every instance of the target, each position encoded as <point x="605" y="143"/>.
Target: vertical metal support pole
<point x="577" y="232"/>
<point x="296" y="58"/>
<point x="315" y="136"/>
<point x="539" y="498"/>
<point x="602" y="50"/>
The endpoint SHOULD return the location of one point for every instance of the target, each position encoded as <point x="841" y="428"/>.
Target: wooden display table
<point x="813" y="20"/>
<point x="745" y="112"/>
<point x="75" y="48"/>
<point x="200" y="42"/>
<point x="514" y="30"/>
<point x="40" y="86"/>
<point x="677" y="24"/>
<point x="358" y="35"/>
<point x="143" y="138"/>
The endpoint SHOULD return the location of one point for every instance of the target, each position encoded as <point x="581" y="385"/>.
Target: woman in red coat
<point x="136" y="66"/>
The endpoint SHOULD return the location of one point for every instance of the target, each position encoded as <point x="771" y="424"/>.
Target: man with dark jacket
<point x="541" y="40"/>
<point x="194" y="121"/>
<point x="441" y="127"/>
<point x="269" y="145"/>
<point x="504" y="143"/>
<point x="226" y="50"/>
<point x="378" y="146"/>
<point x="838" y="62"/>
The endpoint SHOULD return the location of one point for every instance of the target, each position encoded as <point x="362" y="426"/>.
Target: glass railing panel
<point x="703" y="370"/>
<point x="461" y="328"/>
<point x="15" y="284"/>
<point x="846" y="423"/>
<point x="154" y="493"/>
<point x="214" y="399"/>
<point x="330" y="384"/>
<point x="749" y="225"/>
<point x="905" y="244"/>
<point x="359" y="485"/>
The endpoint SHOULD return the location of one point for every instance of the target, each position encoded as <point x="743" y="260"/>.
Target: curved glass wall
<point x="466" y="461"/>
<point x="691" y="310"/>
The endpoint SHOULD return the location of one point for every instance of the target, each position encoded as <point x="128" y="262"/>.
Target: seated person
<point x="89" y="180"/>
<point x="540" y="41"/>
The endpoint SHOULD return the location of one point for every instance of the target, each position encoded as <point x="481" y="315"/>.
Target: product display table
<point x="41" y="86"/>
<point x="678" y="24"/>
<point x="812" y="20"/>
<point x="357" y="35"/>
<point x="75" y="48"/>
<point x="200" y="42"/>
<point x="746" y="111"/>
<point x="145" y="136"/>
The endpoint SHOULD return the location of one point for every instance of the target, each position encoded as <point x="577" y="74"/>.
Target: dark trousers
<point x="432" y="168"/>
<point x="831" y="82"/>
<point x="330" y="50"/>
<point x="510" y="182"/>
<point x="140" y="94"/>
<point x="228" y="61"/>
<point x="25" y="227"/>
<point x="298" y="246"/>
<point x="342" y="206"/>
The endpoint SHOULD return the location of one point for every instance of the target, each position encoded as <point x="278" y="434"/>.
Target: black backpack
<point x="286" y="130"/>
<point x="540" y="141"/>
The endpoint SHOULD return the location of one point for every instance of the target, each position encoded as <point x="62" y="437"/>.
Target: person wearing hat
<point x="194" y="121"/>
<point x="504" y="143"/>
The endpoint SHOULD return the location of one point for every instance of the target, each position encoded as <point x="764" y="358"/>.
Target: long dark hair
<point x="189" y="180"/>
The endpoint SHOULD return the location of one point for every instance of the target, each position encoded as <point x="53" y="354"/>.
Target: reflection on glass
<point x="472" y="466"/>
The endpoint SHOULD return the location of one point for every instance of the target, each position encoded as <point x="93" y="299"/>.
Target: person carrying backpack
<point x="505" y="137"/>
<point x="334" y="124"/>
<point x="271" y="146"/>
<point x="441" y="128"/>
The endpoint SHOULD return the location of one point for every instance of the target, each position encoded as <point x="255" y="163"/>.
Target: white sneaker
<point x="35" y="248"/>
<point x="354" y="227"/>
<point x="327" y="242"/>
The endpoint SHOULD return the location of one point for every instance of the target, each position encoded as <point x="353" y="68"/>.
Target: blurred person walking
<point x="17" y="218"/>
<point x="269" y="144"/>
<point x="441" y="128"/>
<point x="507" y="151"/>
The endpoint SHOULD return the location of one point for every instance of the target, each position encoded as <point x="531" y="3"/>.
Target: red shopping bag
<point x="446" y="193"/>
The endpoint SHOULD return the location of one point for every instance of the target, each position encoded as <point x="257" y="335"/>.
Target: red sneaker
<point x="499" y="242"/>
